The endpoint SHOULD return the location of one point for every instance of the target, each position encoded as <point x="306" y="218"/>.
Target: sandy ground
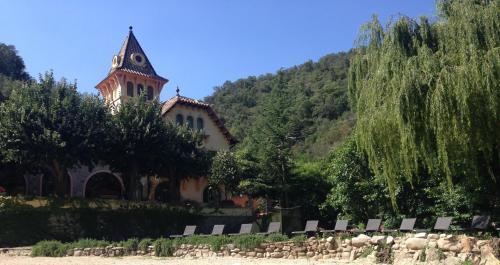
<point x="20" y="260"/>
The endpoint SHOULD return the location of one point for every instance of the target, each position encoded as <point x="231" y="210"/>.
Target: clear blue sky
<point x="197" y="45"/>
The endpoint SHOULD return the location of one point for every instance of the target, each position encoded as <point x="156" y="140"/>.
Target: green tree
<point x="427" y="96"/>
<point x="11" y="64"/>
<point x="145" y="145"/>
<point x="224" y="171"/>
<point x="275" y="133"/>
<point x="48" y="125"/>
<point x="355" y="193"/>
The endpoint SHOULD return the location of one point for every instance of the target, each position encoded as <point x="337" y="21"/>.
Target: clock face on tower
<point x="116" y="61"/>
<point x="138" y="59"/>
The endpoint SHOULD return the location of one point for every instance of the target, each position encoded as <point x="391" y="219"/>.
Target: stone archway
<point x="103" y="185"/>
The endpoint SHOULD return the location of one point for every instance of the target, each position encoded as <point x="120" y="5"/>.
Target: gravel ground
<point x="19" y="260"/>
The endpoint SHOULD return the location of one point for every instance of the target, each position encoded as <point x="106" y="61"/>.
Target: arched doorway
<point x="104" y="185"/>
<point x="162" y="193"/>
<point x="13" y="185"/>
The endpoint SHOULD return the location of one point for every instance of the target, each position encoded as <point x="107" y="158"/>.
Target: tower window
<point x="179" y="119"/>
<point x="199" y="124"/>
<point x="150" y="93"/>
<point x="130" y="89"/>
<point x="190" y="122"/>
<point x="140" y="89"/>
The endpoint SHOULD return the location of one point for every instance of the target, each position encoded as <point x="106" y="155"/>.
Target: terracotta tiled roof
<point x="169" y="104"/>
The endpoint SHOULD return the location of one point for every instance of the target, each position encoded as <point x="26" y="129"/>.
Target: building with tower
<point x="132" y="75"/>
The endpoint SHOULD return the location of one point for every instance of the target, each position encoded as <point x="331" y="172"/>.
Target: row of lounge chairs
<point x="479" y="223"/>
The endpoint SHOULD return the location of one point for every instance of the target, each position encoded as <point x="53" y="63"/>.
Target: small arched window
<point x="199" y="124"/>
<point x="179" y="119"/>
<point x="130" y="89"/>
<point x="150" y="93"/>
<point x="140" y="89"/>
<point x="190" y="122"/>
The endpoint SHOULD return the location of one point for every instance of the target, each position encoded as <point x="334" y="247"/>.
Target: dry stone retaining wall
<point x="408" y="249"/>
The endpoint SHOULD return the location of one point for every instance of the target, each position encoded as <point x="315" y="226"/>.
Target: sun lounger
<point x="188" y="231"/>
<point x="340" y="226"/>
<point x="274" y="227"/>
<point x="311" y="226"/>
<point x="373" y="225"/>
<point x="216" y="230"/>
<point x="244" y="229"/>
<point x="407" y="225"/>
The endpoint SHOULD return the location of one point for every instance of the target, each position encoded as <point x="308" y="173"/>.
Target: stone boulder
<point x="414" y="243"/>
<point x="360" y="240"/>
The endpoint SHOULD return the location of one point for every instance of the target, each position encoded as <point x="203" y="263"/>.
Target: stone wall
<point x="418" y="248"/>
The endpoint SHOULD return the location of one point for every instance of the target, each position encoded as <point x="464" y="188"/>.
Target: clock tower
<point x="131" y="75"/>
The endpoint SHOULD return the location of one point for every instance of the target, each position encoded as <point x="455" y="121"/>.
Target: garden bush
<point x="276" y="237"/>
<point x="144" y="244"/>
<point x="50" y="248"/>
<point x="164" y="247"/>
<point x="248" y="241"/>
<point x="130" y="244"/>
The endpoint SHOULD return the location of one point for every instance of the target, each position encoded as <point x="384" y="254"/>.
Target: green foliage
<point x="89" y="243"/>
<point x="50" y="248"/>
<point x="11" y="64"/>
<point x="24" y="225"/>
<point x="309" y="187"/>
<point x="131" y="244"/>
<point x="299" y="239"/>
<point x="356" y="194"/>
<point x="48" y="125"/>
<point x="426" y="96"/>
<point x="316" y="90"/>
<point x="164" y="247"/>
<point x="367" y="251"/>
<point x="276" y="237"/>
<point x="224" y="171"/>
<point x="246" y="242"/>
<point x="145" y="243"/>
<point x="145" y="145"/>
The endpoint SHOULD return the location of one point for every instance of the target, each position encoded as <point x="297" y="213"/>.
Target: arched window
<point x="130" y="89"/>
<point x="179" y="119"/>
<point x="211" y="195"/>
<point x="199" y="124"/>
<point x="150" y="93"/>
<point x="140" y="89"/>
<point x="190" y="122"/>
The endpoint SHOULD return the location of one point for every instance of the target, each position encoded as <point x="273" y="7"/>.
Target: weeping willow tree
<point x="427" y="94"/>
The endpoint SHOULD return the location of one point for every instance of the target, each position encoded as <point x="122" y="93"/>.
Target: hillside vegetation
<point x="318" y="100"/>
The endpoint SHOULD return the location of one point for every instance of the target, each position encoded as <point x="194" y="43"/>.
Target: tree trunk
<point x="60" y="183"/>
<point x="174" y="189"/>
<point x="132" y="183"/>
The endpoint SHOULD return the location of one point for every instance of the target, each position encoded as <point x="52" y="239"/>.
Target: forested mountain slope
<point x="318" y="96"/>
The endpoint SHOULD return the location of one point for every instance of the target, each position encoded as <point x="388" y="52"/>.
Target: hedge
<point x="25" y="225"/>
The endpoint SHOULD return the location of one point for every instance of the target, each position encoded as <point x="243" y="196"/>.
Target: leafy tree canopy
<point x="11" y="64"/>
<point x="428" y="94"/>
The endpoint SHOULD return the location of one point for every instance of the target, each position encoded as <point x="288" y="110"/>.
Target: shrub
<point x="216" y="242"/>
<point x="130" y="244"/>
<point x="89" y="243"/>
<point x="144" y="244"/>
<point x="52" y="248"/>
<point x="248" y="241"/>
<point x="164" y="247"/>
<point x="276" y="237"/>
<point x="299" y="238"/>
<point x="366" y="252"/>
